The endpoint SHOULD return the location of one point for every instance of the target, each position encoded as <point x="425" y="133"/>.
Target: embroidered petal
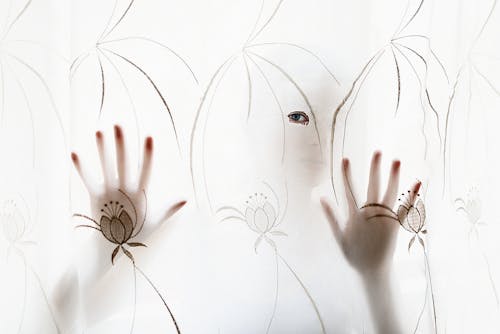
<point x="127" y="223"/>
<point x="106" y="228"/>
<point x="421" y="210"/>
<point x="261" y="220"/>
<point x="11" y="228"/>
<point x="271" y="214"/>
<point x="117" y="230"/>
<point x="249" y="217"/>
<point x="402" y="217"/>
<point x="414" y="219"/>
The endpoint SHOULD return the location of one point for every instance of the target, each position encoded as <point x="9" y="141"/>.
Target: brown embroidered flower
<point x="411" y="215"/>
<point x="117" y="226"/>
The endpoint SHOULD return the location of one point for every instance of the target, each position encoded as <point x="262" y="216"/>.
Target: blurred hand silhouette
<point x="369" y="237"/>
<point x="119" y="207"/>
<point x="119" y="218"/>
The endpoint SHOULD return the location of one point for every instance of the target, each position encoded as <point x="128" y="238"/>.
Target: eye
<point x="298" y="117"/>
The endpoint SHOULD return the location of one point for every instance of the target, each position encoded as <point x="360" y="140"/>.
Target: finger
<point x="414" y="192"/>
<point x="83" y="174"/>
<point x="346" y="173"/>
<point x="106" y="174"/>
<point x="393" y="184"/>
<point x="374" y="180"/>
<point x="149" y="230"/>
<point x="146" y="163"/>
<point x="173" y="209"/>
<point x="121" y="164"/>
<point x="334" y="225"/>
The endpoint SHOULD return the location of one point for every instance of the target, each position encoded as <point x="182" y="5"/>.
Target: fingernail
<point x="74" y="157"/>
<point x="149" y="143"/>
<point x="345" y="163"/>
<point x="118" y="132"/>
<point x="98" y="135"/>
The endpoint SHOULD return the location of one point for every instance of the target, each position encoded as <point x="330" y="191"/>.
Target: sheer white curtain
<point x="213" y="82"/>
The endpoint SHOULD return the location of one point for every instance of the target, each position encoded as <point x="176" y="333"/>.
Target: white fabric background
<point x="444" y="131"/>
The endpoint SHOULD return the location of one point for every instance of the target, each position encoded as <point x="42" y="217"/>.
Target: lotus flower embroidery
<point x="412" y="216"/>
<point x="261" y="217"/>
<point x="15" y="224"/>
<point x="117" y="226"/>
<point x="472" y="208"/>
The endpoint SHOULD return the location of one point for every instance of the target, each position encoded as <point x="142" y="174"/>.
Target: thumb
<point x="334" y="225"/>
<point x="173" y="209"/>
<point x="162" y="218"/>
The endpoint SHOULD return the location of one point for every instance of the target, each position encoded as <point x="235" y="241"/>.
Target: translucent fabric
<point x="251" y="105"/>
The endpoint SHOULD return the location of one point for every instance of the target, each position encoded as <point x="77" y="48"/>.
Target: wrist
<point x="376" y="275"/>
<point x="379" y="292"/>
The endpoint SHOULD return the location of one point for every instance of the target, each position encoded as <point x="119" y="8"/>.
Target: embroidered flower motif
<point x="412" y="216"/>
<point x="117" y="226"/>
<point x="472" y="208"/>
<point x="15" y="223"/>
<point x="260" y="216"/>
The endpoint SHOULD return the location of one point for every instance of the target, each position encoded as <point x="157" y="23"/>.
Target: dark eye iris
<point x="298" y="117"/>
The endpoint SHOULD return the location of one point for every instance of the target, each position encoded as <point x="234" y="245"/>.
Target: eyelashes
<point x="298" y="117"/>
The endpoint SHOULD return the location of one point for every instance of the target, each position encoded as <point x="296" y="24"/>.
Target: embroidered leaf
<point x="270" y="242"/>
<point x="128" y="254"/>
<point x="115" y="251"/>
<point x="136" y="244"/>
<point x="257" y="242"/>
<point x="279" y="233"/>
<point x="29" y="243"/>
<point x="411" y="243"/>
<point x="421" y="241"/>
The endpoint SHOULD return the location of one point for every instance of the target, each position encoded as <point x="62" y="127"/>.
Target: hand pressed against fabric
<point x="119" y="209"/>
<point x="119" y="218"/>
<point x="369" y="237"/>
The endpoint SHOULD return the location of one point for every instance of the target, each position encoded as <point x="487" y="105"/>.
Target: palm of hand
<point x="122" y="217"/>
